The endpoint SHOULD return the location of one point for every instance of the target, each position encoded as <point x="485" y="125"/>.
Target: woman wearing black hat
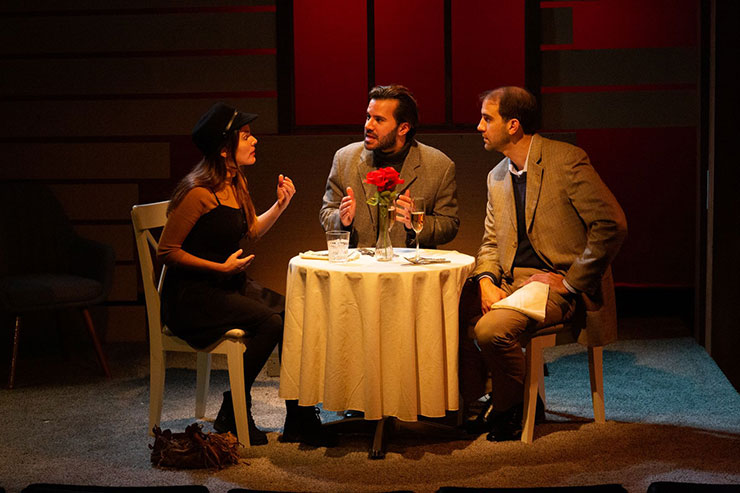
<point x="206" y="291"/>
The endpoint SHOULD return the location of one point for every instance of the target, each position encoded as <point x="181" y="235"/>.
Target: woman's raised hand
<point x="285" y="191"/>
<point x="234" y="264"/>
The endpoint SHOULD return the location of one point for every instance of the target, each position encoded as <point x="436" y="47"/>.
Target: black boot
<point x="302" y="424"/>
<point x="225" y="421"/>
<point x="507" y="425"/>
<point x="481" y="423"/>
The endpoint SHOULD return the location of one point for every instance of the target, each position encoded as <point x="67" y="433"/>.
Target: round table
<point x="378" y="337"/>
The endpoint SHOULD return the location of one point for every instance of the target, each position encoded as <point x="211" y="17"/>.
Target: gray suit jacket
<point x="426" y="172"/>
<point x="573" y="221"/>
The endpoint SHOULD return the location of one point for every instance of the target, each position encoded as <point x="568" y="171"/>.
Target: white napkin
<point x="324" y="255"/>
<point x="530" y="299"/>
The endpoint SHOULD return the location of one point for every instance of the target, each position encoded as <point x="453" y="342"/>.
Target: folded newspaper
<point x="530" y="299"/>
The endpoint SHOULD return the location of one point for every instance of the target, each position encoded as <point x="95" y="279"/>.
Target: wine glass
<point x="417" y="220"/>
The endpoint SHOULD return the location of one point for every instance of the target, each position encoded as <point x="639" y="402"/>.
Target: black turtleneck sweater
<point x="525" y="254"/>
<point x="394" y="160"/>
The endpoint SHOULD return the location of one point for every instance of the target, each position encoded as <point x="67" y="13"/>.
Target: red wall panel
<point x="487" y="51"/>
<point x="330" y="41"/>
<point x="409" y="50"/>
<point x="604" y="24"/>
<point x="652" y="172"/>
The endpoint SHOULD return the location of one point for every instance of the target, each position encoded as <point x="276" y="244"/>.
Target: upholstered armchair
<point x="45" y="265"/>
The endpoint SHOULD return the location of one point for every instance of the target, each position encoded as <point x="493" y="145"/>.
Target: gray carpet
<point x="672" y="416"/>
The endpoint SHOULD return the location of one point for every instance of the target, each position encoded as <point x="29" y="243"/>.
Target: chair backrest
<point x="35" y="233"/>
<point x="145" y="218"/>
<point x="601" y="324"/>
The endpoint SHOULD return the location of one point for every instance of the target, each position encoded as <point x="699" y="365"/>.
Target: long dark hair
<point x="210" y="173"/>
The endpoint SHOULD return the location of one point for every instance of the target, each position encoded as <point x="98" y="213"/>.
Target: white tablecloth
<point x="379" y="337"/>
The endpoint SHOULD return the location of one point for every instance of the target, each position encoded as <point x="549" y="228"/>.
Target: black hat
<point x="209" y="134"/>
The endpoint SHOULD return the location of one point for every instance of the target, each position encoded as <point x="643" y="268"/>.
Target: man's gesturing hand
<point x="347" y="207"/>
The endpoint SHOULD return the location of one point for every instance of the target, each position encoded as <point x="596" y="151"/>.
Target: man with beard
<point x="390" y="127"/>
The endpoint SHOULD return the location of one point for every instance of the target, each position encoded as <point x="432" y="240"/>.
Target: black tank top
<point x="217" y="233"/>
<point x="214" y="236"/>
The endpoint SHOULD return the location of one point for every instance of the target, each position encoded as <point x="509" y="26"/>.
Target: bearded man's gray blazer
<point x="426" y="172"/>
<point x="573" y="221"/>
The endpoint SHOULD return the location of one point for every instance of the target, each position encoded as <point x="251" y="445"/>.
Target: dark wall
<point x="99" y="98"/>
<point x="619" y="78"/>
<point x="307" y="159"/>
<point x="723" y="337"/>
<point x="623" y="77"/>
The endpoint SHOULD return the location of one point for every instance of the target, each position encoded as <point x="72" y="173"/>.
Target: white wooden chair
<point x="534" y="382"/>
<point x="146" y="217"/>
<point x="594" y="334"/>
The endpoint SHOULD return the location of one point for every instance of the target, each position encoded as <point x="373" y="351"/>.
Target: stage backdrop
<point x="98" y="100"/>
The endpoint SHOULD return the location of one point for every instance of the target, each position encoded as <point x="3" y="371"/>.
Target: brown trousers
<point x="491" y="344"/>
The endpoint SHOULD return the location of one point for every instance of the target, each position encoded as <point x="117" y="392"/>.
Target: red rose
<point x="384" y="178"/>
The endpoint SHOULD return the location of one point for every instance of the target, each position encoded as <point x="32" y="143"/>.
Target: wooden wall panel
<point x="72" y="6"/>
<point x="98" y="118"/>
<point x="117" y="32"/>
<point x="619" y="109"/>
<point x="161" y="75"/>
<point x="111" y="202"/>
<point x="85" y="161"/>
<point x="625" y="67"/>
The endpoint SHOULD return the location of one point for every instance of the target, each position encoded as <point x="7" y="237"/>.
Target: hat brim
<point x="243" y="119"/>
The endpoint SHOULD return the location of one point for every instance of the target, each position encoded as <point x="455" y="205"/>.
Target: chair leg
<point x="157" y="362"/>
<point x="532" y="382"/>
<point x="14" y="354"/>
<point x="541" y="386"/>
<point x="596" y="374"/>
<point x="96" y="342"/>
<point x="203" y="379"/>
<point x="235" y="361"/>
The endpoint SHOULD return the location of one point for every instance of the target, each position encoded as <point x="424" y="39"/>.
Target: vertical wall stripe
<point x="487" y="51"/>
<point x="413" y="56"/>
<point x="330" y="42"/>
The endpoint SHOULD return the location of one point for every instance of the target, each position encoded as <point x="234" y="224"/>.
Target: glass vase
<point x="384" y="248"/>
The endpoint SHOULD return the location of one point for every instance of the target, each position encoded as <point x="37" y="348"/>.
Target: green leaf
<point x="373" y="200"/>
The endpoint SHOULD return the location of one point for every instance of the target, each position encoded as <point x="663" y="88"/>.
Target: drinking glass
<point x="417" y="220"/>
<point x="338" y="245"/>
